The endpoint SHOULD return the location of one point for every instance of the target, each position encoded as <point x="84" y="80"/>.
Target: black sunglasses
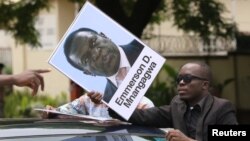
<point x="188" y="78"/>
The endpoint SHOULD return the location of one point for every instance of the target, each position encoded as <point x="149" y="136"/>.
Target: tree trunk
<point x="139" y="18"/>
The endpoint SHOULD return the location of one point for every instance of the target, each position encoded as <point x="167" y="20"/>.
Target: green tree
<point x="18" y="18"/>
<point x="202" y="17"/>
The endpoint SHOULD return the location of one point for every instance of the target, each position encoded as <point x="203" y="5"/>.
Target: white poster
<point x="100" y="55"/>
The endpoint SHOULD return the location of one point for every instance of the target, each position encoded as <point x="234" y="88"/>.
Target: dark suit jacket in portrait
<point x="215" y="111"/>
<point x="132" y="51"/>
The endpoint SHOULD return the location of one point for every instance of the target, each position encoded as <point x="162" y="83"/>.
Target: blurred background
<point x="214" y="31"/>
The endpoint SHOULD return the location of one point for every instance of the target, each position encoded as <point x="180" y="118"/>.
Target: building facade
<point x="170" y="42"/>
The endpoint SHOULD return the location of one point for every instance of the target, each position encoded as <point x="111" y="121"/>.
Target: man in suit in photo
<point x="96" y="55"/>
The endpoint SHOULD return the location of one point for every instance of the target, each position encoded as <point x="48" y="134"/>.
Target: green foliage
<point x="203" y="17"/>
<point x="128" y="6"/>
<point x="218" y="87"/>
<point x="243" y="42"/>
<point x="21" y="103"/>
<point x="163" y="90"/>
<point x="18" y="18"/>
<point x="7" y="70"/>
<point x="157" y="16"/>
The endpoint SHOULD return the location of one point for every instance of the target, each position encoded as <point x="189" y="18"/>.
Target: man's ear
<point x="206" y="85"/>
<point x="103" y="35"/>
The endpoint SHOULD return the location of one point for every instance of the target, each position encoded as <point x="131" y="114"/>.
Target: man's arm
<point x="226" y="114"/>
<point x="155" y="117"/>
<point x="77" y="106"/>
<point x="30" y="78"/>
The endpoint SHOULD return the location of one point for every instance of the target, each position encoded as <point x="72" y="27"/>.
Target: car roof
<point x="73" y="130"/>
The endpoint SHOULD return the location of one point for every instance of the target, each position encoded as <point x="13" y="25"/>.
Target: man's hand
<point x="142" y="106"/>
<point x="95" y="97"/>
<point x="177" y="135"/>
<point x="30" y="78"/>
<point x="47" y="114"/>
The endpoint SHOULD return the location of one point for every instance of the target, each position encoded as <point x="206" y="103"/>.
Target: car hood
<point x="72" y="130"/>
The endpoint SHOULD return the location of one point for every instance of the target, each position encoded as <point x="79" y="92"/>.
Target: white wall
<point x="53" y="24"/>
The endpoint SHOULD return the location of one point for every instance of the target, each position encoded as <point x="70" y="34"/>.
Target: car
<point x="75" y="130"/>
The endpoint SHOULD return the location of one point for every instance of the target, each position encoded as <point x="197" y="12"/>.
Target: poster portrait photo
<point x="100" y="55"/>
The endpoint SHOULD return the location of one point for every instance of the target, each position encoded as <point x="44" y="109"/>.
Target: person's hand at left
<point x="95" y="97"/>
<point x="177" y="135"/>
<point x="30" y="78"/>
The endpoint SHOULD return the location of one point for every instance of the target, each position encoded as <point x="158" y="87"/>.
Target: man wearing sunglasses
<point x="192" y="110"/>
